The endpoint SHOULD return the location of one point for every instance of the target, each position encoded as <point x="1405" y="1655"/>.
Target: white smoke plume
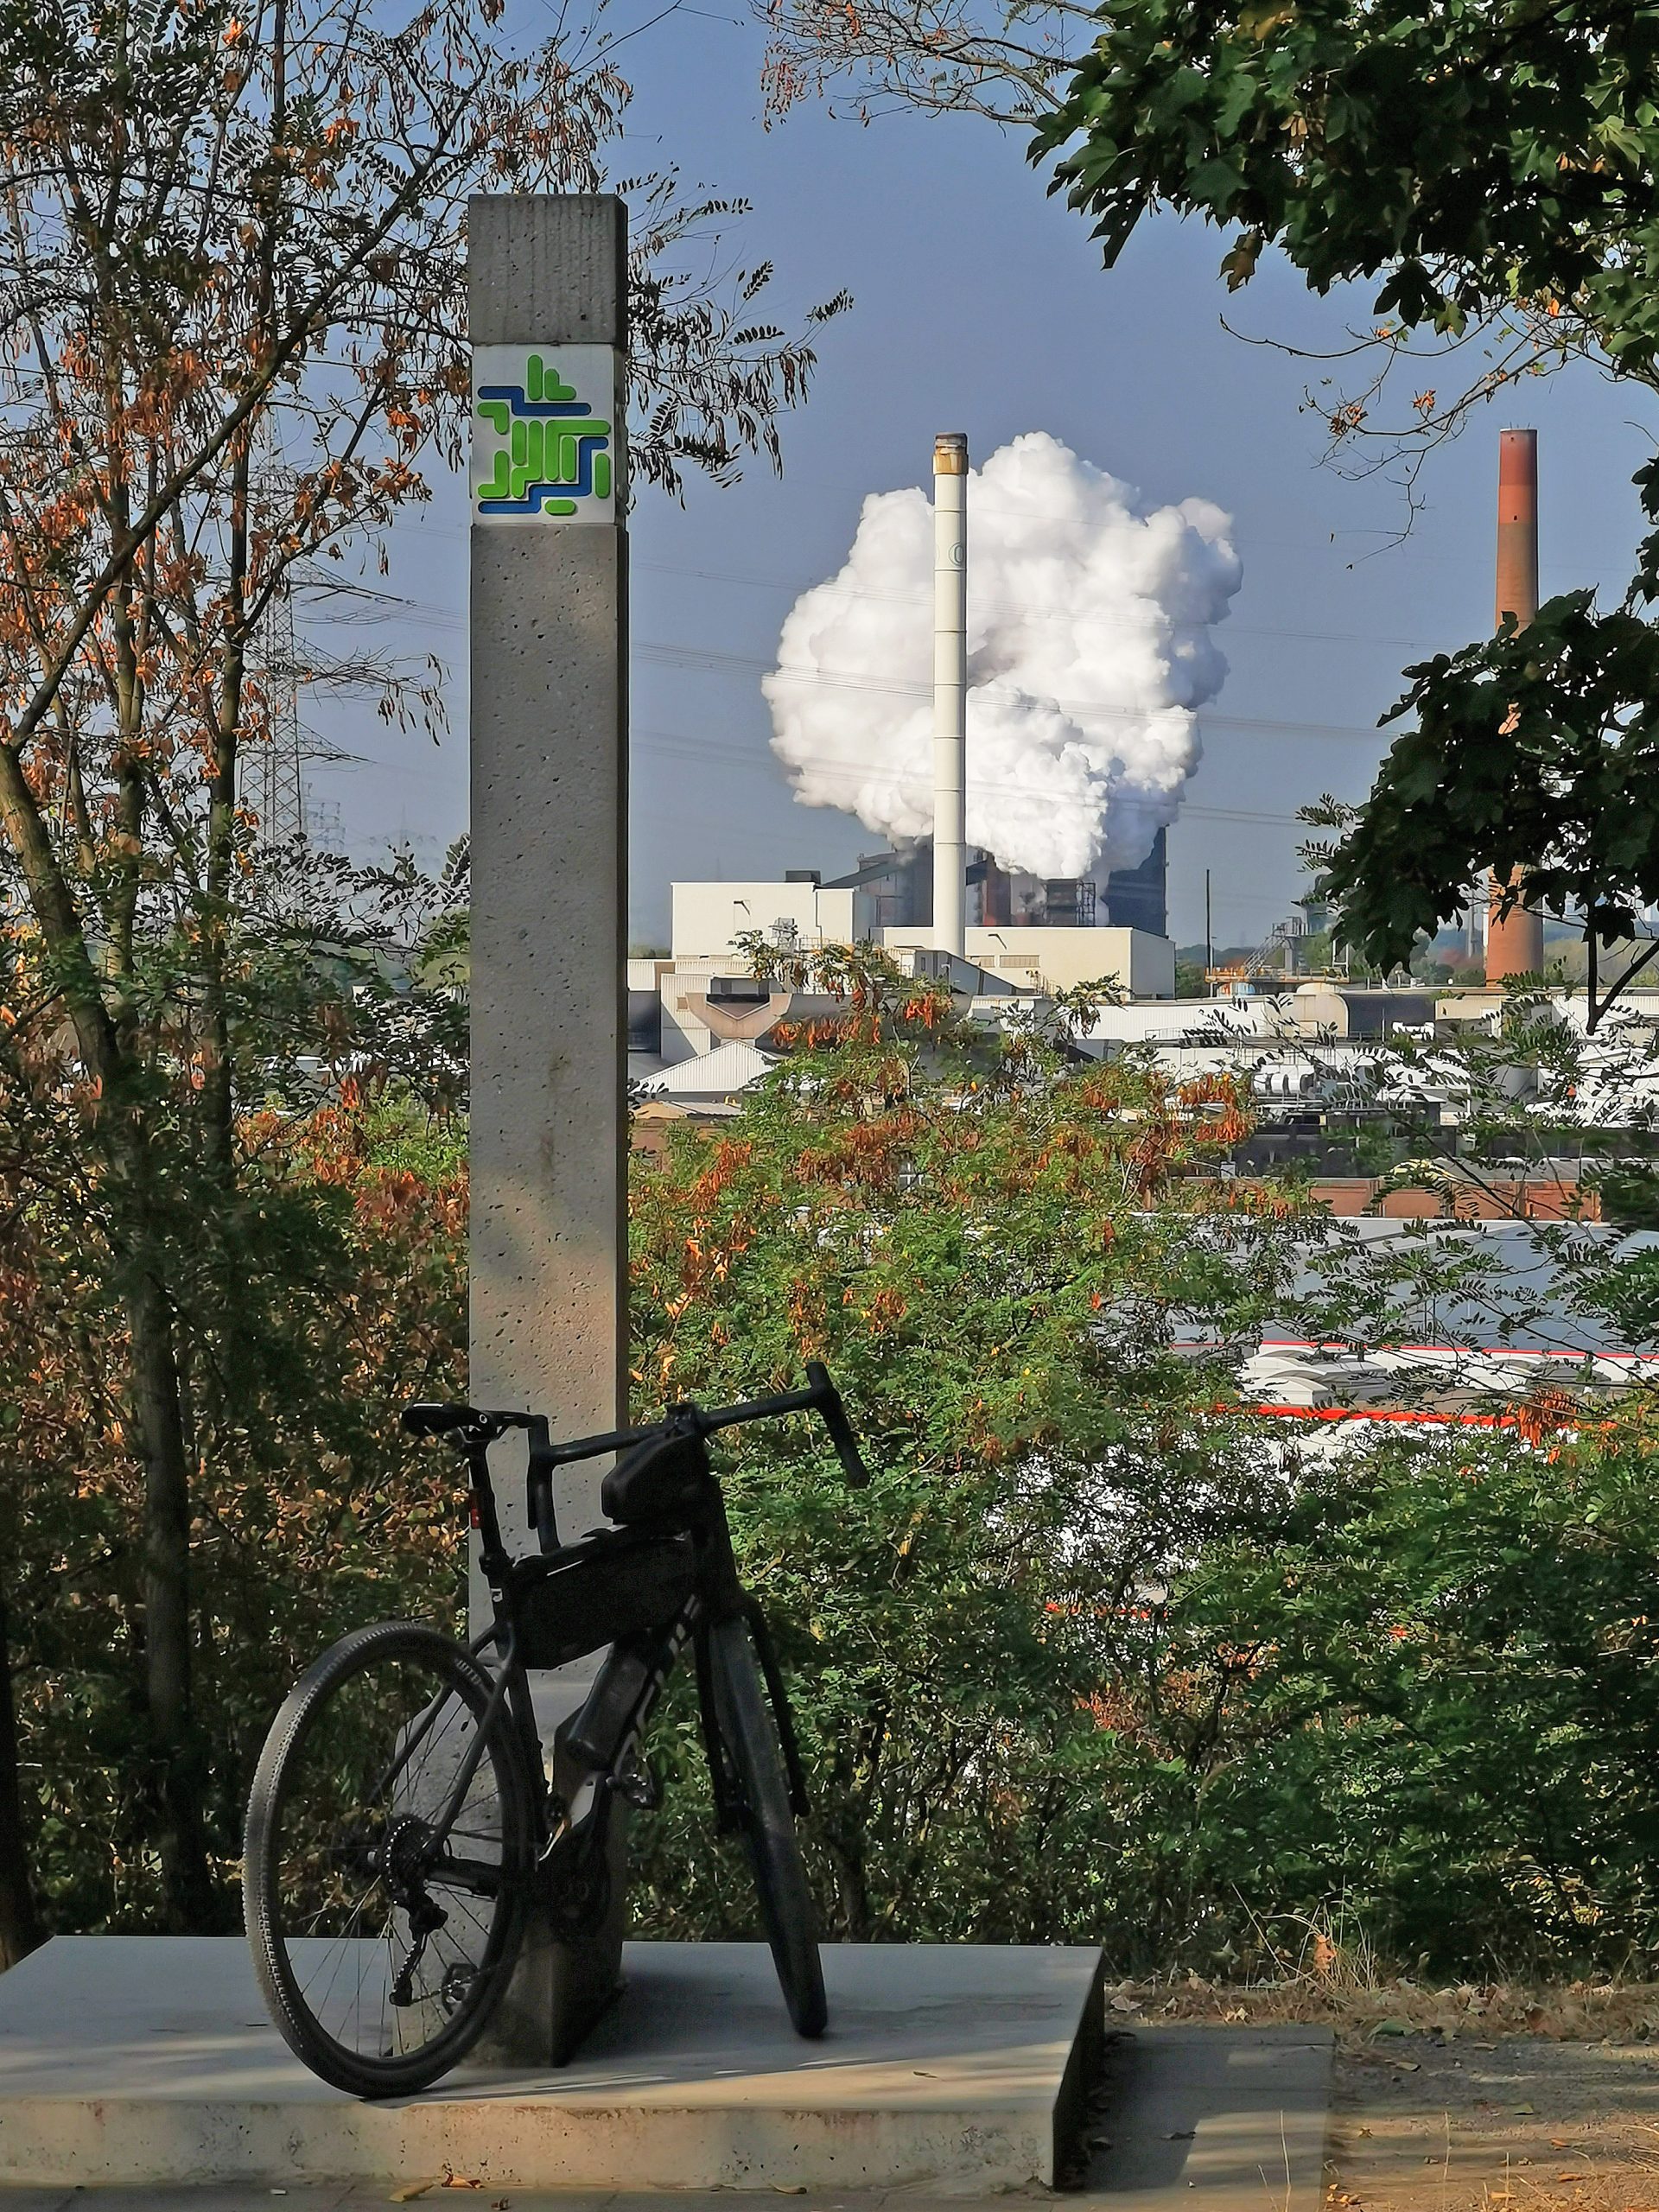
<point x="1088" y="651"/>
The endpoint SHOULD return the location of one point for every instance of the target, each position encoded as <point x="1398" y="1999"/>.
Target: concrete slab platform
<point x="371" y="2196"/>
<point x="134" y="2060"/>
<point x="374" y="2196"/>
<point x="1212" y="2118"/>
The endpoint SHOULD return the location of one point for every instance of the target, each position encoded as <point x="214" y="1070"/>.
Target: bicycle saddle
<point x="665" y="1478"/>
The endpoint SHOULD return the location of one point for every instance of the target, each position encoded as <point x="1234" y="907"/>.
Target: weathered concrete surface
<point x="549" y="813"/>
<point x="1212" y="2119"/>
<point x="548" y="1323"/>
<point x="127" y="2061"/>
<point x="251" y="2196"/>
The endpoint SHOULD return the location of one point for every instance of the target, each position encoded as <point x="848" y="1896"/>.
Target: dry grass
<point x="1584" y="2183"/>
<point x="1322" y="1970"/>
<point x="1499" y="2096"/>
<point x="1503" y="2095"/>
<point x="1580" y="2012"/>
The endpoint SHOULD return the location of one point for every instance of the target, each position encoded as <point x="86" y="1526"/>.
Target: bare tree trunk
<point x="845" y="1848"/>
<point x="188" y="1899"/>
<point x="20" y="1927"/>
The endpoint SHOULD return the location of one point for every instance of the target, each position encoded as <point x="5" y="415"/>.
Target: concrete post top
<point x="548" y="269"/>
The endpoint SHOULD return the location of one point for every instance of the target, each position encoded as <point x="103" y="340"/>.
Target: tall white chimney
<point x="950" y="689"/>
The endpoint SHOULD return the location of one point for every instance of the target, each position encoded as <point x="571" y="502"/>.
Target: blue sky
<point x="981" y="305"/>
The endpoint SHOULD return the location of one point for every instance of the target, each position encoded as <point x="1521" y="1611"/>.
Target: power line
<point x="1033" y="614"/>
<point x="686" y="746"/>
<point x="661" y="653"/>
<point x="647" y="649"/>
<point x="450" y="618"/>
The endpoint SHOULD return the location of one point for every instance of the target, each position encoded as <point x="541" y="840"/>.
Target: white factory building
<point x="709" y="919"/>
<point x="700" y="999"/>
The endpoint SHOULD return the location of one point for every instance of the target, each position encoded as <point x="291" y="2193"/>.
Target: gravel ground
<point x="1427" y="2123"/>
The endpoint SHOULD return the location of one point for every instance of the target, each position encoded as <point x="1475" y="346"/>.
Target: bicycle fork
<point x="727" y="1803"/>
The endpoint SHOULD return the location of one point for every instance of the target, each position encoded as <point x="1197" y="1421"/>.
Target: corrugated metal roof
<point x="722" y="1073"/>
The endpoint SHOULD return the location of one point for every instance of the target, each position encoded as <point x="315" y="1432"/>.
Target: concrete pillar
<point x="949" y="690"/>
<point x="547" y="296"/>
<point x="1514" y="946"/>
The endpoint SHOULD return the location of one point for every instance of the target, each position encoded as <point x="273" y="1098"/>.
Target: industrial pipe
<point x="1514" y="946"/>
<point x="950" y="691"/>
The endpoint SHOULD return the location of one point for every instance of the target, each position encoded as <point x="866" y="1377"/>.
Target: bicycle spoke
<point x="388" y="1930"/>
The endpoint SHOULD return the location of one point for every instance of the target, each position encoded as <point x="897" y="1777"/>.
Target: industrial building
<point x="699" y="1021"/>
<point x="900" y="885"/>
<point x="886" y="901"/>
<point x="701" y="996"/>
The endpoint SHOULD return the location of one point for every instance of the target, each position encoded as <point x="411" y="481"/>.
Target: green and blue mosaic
<point x="554" y="451"/>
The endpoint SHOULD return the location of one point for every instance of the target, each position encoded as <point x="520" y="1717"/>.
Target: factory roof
<point x="722" y="1073"/>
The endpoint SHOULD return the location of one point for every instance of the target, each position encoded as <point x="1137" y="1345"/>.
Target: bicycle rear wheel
<point x="747" y="1730"/>
<point x="383" y="1926"/>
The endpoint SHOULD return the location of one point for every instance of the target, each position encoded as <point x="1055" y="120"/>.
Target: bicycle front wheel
<point x="384" y="1887"/>
<point x="747" y="1730"/>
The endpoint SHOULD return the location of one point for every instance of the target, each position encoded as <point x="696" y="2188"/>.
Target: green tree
<point x="1103" y="1654"/>
<point x="1443" y="1719"/>
<point x="1496" y="166"/>
<point x="331" y="1286"/>
<point x="232" y="259"/>
<point x="1567" y="790"/>
<point x="993" y="1246"/>
<point x="1492" y="158"/>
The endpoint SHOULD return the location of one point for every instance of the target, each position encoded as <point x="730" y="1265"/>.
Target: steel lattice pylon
<point x="277" y="780"/>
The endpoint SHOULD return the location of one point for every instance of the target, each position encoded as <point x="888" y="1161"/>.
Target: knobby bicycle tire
<point x="454" y="1672"/>
<point x="747" y="1728"/>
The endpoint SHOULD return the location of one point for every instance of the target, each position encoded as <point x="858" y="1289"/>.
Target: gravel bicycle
<point x="403" y="1822"/>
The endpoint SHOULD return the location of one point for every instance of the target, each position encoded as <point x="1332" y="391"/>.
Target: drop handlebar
<point x="468" y="1427"/>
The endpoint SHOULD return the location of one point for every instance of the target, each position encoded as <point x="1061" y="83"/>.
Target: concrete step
<point x="136" y="2061"/>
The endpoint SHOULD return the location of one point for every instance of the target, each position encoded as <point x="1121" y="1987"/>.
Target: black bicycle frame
<point x="625" y="1691"/>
